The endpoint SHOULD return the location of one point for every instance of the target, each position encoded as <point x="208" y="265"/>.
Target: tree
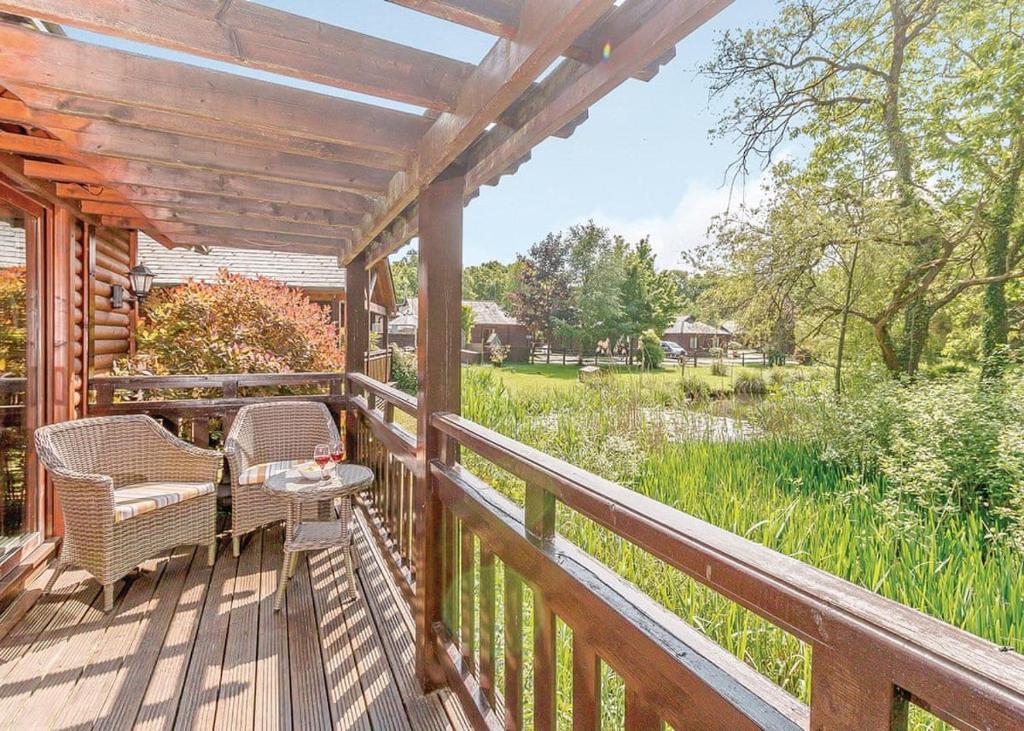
<point x="468" y="320"/>
<point x="650" y="299"/>
<point x="405" y="273"/>
<point x="541" y="296"/>
<point x="491" y="280"/>
<point x="917" y="103"/>
<point x="234" y="325"/>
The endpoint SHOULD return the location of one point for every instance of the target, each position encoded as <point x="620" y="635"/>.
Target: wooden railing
<point x="390" y="451"/>
<point x="197" y="419"/>
<point x="871" y="657"/>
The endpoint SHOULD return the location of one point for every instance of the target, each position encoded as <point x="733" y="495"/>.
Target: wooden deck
<point x="189" y="647"/>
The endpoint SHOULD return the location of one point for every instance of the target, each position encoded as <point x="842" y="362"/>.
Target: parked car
<point x="673" y="350"/>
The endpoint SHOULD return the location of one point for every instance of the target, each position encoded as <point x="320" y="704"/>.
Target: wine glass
<point x="322" y="455"/>
<point x="337" y="451"/>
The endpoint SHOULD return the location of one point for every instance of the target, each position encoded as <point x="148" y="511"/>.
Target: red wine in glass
<point x="321" y="455"/>
<point x="337" y="452"/>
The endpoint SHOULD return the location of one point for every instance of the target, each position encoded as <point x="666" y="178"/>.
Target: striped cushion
<point x="148" y="496"/>
<point x="258" y="473"/>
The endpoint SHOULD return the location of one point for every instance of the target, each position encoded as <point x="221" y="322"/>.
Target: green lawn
<point x="522" y="377"/>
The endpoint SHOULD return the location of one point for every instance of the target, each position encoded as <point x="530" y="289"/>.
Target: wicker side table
<point x="345" y="481"/>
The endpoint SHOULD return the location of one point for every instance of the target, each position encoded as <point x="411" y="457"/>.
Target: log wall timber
<point x="111" y="329"/>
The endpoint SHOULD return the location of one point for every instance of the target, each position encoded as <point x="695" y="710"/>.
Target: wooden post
<point x="357" y="338"/>
<point x="439" y="336"/>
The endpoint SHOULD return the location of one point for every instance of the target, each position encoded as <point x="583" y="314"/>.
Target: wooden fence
<point x="871" y="657"/>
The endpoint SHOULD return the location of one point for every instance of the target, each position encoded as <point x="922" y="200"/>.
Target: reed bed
<point x="776" y="491"/>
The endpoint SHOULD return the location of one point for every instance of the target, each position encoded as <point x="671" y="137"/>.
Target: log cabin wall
<point x="110" y="329"/>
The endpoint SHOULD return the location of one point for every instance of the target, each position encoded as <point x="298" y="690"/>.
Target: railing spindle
<point x="513" y="650"/>
<point x="545" y="667"/>
<point x="586" y="686"/>
<point x="467" y="586"/>
<point x="487" y="644"/>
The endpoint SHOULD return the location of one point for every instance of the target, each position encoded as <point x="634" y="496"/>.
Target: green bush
<point x="403" y="370"/>
<point x="651" y="354"/>
<point x="696" y="388"/>
<point x="718" y="368"/>
<point x="749" y="383"/>
<point x="943" y="448"/>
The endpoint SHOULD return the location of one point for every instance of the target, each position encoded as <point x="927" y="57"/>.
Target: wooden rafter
<point x="574" y="87"/>
<point x="39" y="60"/>
<point x="508" y="69"/>
<point x="210" y="203"/>
<point x="501" y="17"/>
<point x="57" y="110"/>
<point x="260" y="37"/>
<point x="497" y="17"/>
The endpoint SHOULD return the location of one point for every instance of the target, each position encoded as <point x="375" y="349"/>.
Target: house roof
<point x="176" y="266"/>
<point x="485" y="312"/>
<point x="690" y="325"/>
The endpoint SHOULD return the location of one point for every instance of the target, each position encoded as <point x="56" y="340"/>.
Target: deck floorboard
<point x="188" y="646"/>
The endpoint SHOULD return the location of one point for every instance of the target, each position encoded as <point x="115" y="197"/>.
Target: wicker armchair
<point x="129" y="489"/>
<point x="265" y="439"/>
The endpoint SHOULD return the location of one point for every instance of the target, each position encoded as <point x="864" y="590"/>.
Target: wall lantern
<point x="141" y="278"/>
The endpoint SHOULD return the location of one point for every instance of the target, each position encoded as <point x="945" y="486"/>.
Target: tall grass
<point x="778" y="492"/>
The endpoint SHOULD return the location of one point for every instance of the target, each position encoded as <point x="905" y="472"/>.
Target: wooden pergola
<point x="98" y="144"/>
<point x="196" y="156"/>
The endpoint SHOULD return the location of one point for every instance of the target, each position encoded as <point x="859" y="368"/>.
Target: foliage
<point x="540" y="298"/>
<point x="405" y="273"/>
<point x="492" y="281"/>
<point x="586" y="286"/>
<point x="909" y="197"/>
<point x="943" y="448"/>
<point x="467" y="320"/>
<point x="12" y="321"/>
<point x="696" y="388"/>
<point x="718" y="368"/>
<point x="234" y="325"/>
<point x="403" y="370"/>
<point x="777" y="491"/>
<point x="651" y="354"/>
<point x="748" y="383"/>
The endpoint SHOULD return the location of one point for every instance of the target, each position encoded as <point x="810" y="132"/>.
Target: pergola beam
<point x="144" y="145"/>
<point x="546" y="30"/>
<point x="264" y="38"/>
<point x="58" y="110"/>
<point x="221" y="220"/>
<point x="656" y="26"/>
<point x="210" y="203"/>
<point x="40" y="60"/>
<point x="501" y="17"/>
<point x="497" y="17"/>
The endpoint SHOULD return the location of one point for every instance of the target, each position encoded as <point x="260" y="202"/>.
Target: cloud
<point x="685" y="227"/>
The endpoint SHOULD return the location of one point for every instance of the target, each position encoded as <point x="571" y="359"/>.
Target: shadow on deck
<point x="189" y="647"/>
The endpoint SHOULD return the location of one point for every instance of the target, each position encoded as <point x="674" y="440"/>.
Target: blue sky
<point x="643" y="163"/>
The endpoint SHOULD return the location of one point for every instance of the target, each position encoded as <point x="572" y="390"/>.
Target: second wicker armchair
<point x="266" y="439"/>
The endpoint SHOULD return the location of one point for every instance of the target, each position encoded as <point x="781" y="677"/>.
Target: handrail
<point x="215" y="380"/>
<point x="958" y="677"/>
<point x="399" y="399"/>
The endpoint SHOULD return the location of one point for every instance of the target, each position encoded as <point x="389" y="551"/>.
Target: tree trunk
<point x="845" y="320"/>
<point x="995" y="323"/>
<point x="917" y="317"/>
